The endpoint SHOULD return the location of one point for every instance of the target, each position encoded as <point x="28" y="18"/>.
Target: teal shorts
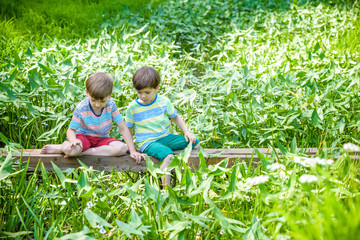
<point x="165" y="146"/>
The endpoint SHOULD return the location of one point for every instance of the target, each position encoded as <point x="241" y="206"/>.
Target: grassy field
<point x="240" y="73"/>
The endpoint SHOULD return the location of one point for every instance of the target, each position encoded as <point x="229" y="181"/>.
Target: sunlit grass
<point x="275" y="198"/>
<point x="242" y="74"/>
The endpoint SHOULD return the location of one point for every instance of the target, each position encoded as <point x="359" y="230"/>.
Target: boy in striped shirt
<point x="88" y="132"/>
<point x="149" y="115"/>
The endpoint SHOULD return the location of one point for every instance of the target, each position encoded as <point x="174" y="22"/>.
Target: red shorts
<point x="90" y="142"/>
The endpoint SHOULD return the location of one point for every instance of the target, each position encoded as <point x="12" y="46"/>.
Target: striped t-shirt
<point x="151" y="121"/>
<point x="86" y="122"/>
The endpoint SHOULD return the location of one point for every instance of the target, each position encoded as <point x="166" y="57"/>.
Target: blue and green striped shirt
<point x="150" y="121"/>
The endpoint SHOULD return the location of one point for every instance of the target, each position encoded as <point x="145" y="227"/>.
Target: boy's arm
<point x="71" y="136"/>
<point x="181" y="124"/>
<point x="124" y="130"/>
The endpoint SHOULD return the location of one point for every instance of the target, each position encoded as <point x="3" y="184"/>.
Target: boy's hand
<point x="74" y="143"/>
<point x="189" y="137"/>
<point x="138" y="157"/>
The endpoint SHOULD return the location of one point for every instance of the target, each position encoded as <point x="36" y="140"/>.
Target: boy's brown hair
<point x="146" y="77"/>
<point x="99" y="85"/>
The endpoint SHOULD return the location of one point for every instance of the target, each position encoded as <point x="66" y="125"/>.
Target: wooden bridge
<point x="125" y="163"/>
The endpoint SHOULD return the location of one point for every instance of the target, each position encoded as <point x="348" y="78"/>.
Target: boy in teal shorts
<point x="149" y="115"/>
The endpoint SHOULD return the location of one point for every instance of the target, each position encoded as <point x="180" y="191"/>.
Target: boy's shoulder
<point x="84" y="104"/>
<point x="163" y="98"/>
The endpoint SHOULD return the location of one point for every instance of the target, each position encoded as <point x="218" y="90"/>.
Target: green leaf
<point x="6" y="166"/>
<point x="293" y="148"/>
<point x="46" y="68"/>
<point x="315" y="118"/>
<point x="10" y="93"/>
<point x="233" y="181"/>
<point x="95" y="219"/>
<point x="151" y="192"/>
<point x="127" y="229"/>
<point x="281" y="147"/>
<point x="83" y="183"/>
<point x="254" y="232"/>
<point x="185" y="154"/>
<point x="82" y="235"/>
<point x="59" y="173"/>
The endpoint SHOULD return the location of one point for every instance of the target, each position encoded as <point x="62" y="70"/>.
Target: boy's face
<point x="97" y="104"/>
<point x="147" y="95"/>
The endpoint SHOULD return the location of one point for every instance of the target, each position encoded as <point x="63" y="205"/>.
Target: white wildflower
<point x="24" y="117"/>
<point x="116" y="184"/>
<point x="63" y="203"/>
<point x="90" y="204"/>
<point x="163" y="192"/>
<point x="350" y="147"/>
<point x="99" y="226"/>
<point x="71" y="106"/>
<point x="109" y="202"/>
<point x="44" y="123"/>
<point x="308" y="178"/>
<point x="322" y="161"/>
<point x="282" y="195"/>
<point x="17" y="162"/>
<point x="311" y="162"/>
<point x="198" y="233"/>
<point x="247" y="198"/>
<point x="275" y="166"/>
<point x="347" y="105"/>
<point x="258" y="180"/>
<point x="222" y="232"/>
<point x="204" y="176"/>
<point x="102" y="231"/>
<point x="264" y="229"/>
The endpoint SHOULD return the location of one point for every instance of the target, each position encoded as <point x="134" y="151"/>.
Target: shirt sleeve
<point x="129" y="119"/>
<point x="76" y="120"/>
<point x="116" y="116"/>
<point x="170" y="110"/>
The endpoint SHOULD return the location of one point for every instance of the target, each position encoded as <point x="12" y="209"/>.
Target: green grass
<point x="274" y="70"/>
<point x="241" y="74"/>
<point x="267" y="200"/>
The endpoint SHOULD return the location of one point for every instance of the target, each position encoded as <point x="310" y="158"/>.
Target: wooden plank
<point x="125" y="163"/>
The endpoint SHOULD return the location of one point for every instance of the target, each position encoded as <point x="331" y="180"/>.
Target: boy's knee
<point x="167" y="160"/>
<point x="72" y="151"/>
<point x="119" y="148"/>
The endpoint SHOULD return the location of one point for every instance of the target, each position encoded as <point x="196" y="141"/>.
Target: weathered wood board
<point x="125" y="163"/>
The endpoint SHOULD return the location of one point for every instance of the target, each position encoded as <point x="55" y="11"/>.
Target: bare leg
<point x="197" y="146"/>
<point x="52" y="148"/>
<point x="115" y="148"/>
<point x="73" y="151"/>
<point x="62" y="148"/>
<point x="166" y="179"/>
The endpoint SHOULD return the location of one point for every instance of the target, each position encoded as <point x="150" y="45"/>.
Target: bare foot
<point x="52" y="148"/>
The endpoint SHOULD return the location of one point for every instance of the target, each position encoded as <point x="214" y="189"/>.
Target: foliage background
<point x="241" y="73"/>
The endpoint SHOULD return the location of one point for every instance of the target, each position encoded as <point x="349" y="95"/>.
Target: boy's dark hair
<point x="99" y="85"/>
<point x="146" y="77"/>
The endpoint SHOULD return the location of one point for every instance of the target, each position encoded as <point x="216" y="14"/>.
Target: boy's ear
<point x="157" y="88"/>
